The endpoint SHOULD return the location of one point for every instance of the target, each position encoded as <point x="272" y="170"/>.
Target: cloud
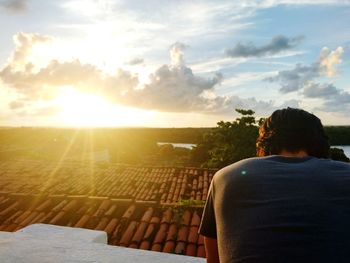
<point x="44" y="83"/>
<point x="135" y="61"/>
<point x="277" y="44"/>
<point x="14" y="6"/>
<point x="270" y="3"/>
<point x="38" y="111"/>
<point x="175" y="88"/>
<point x="45" y="111"/>
<point x="316" y="90"/>
<point x="329" y="59"/>
<point x="171" y="88"/>
<point x="177" y="53"/>
<point x="301" y="75"/>
<point x="227" y="104"/>
<point x="16" y="105"/>
<point x="333" y="99"/>
<point x="293" y="103"/>
<point x="24" y="43"/>
<point x="295" y="79"/>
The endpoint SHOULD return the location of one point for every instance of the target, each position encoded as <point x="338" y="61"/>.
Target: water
<point x="346" y="149"/>
<point x="182" y="145"/>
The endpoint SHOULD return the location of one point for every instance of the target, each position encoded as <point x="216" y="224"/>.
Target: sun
<point x="81" y="109"/>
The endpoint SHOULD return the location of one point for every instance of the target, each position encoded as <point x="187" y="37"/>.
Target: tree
<point x="229" y="142"/>
<point x="338" y="155"/>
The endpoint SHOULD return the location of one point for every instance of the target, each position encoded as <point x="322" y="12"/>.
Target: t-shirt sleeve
<point x="208" y="224"/>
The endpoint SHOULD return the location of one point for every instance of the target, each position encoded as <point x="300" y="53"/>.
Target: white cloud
<point x="333" y="99"/>
<point x="177" y="53"/>
<point x="329" y="59"/>
<point x="15" y="6"/>
<point x="174" y="88"/>
<point x="171" y="88"/>
<point x="16" y="105"/>
<point x="246" y="77"/>
<point x="24" y="43"/>
<point x="135" y="61"/>
<point x="278" y="44"/>
<point x="301" y="75"/>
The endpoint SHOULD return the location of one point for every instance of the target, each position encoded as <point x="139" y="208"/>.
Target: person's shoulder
<point x="241" y="167"/>
<point x="334" y="165"/>
<point x="248" y="162"/>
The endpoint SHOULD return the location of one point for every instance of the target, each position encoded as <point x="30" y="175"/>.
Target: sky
<point x="171" y="63"/>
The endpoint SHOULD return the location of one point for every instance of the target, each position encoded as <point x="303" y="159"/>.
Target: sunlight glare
<point x="80" y="109"/>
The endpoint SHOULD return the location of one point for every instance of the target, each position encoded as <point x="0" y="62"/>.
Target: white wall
<point x="49" y="243"/>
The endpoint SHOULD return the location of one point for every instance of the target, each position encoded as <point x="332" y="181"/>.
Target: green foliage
<point x="190" y="202"/>
<point x="338" y="135"/>
<point x="216" y="147"/>
<point x="229" y="142"/>
<point x="338" y="155"/>
<point x="182" y="205"/>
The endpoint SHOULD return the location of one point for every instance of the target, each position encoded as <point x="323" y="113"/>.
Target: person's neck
<point x="300" y="153"/>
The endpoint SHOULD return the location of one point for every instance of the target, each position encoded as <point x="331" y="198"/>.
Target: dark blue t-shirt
<point x="280" y="209"/>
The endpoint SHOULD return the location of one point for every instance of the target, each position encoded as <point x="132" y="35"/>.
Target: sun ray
<point x="51" y="175"/>
<point x="91" y="161"/>
<point x="81" y="109"/>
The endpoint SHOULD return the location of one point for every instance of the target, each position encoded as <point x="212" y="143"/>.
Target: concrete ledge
<point x="48" y="243"/>
<point x="44" y="231"/>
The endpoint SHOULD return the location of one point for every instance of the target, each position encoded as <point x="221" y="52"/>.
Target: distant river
<point x="346" y="149"/>
<point x="182" y="145"/>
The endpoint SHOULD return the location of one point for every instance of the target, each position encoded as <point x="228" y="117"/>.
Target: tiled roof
<point x="166" y="185"/>
<point x="137" y="206"/>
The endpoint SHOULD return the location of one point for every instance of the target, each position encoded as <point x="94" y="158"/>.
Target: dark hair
<point x="292" y="130"/>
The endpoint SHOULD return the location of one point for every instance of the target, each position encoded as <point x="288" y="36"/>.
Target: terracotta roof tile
<point x="102" y="224"/>
<point x="186" y="218"/>
<point x="151" y="230"/>
<point x="83" y="220"/>
<point x="161" y="234"/>
<point x="136" y="206"/>
<point x="169" y="246"/>
<point x="167" y="215"/>
<point x="9" y="209"/>
<point x="29" y="218"/>
<point x="44" y="205"/>
<point x="156" y="247"/>
<point x="180" y="248"/>
<point x="128" y="213"/>
<point x="200" y="240"/>
<point x="111" y="210"/>
<point x="128" y="234"/>
<point x="9" y="221"/>
<point x="141" y="229"/>
<point x="172" y="232"/>
<point x="145" y="245"/>
<point x="60" y="205"/>
<point x="191" y="250"/>
<point x="103" y="208"/>
<point x="38" y="218"/>
<point x="193" y="235"/>
<point x="196" y="220"/>
<point x="111" y="226"/>
<point x="11" y="227"/>
<point x="183" y="233"/>
<point x="155" y="220"/>
<point x="201" y="251"/>
<point x="147" y="215"/>
<point x="133" y="245"/>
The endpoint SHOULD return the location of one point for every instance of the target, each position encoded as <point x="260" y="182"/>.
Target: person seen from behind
<point x="289" y="204"/>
